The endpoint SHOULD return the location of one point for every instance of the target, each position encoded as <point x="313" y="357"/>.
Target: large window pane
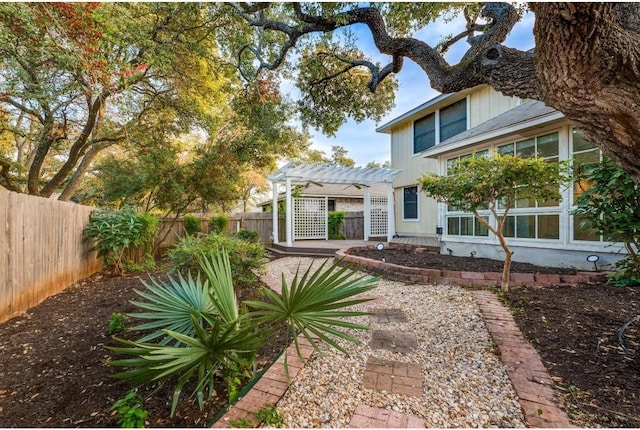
<point x="506" y="149"/>
<point x="509" y="229"/>
<point x="424" y="133"/>
<point x="579" y="144"/>
<point x="589" y="157"/>
<point x="548" y="203"/>
<point x="548" y="145"/>
<point x="453" y="119"/>
<point x="526" y="226"/>
<point x="453" y="226"/>
<point x="481" y="229"/>
<point x="526" y="148"/>
<point x="548" y="227"/>
<point x="410" y="203"/>
<point x="466" y="226"/>
<point x="580" y="233"/>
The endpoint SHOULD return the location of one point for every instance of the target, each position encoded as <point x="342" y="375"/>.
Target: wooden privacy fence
<point x="262" y="222"/>
<point x="41" y="250"/>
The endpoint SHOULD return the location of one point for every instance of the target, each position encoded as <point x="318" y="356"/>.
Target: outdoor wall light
<point x="593" y="258"/>
<point x="439" y="231"/>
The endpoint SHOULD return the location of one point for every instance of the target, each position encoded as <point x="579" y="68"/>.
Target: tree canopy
<point x="585" y="61"/>
<point x="83" y="80"/>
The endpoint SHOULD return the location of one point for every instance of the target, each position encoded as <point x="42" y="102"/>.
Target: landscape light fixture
<point x="380" y="247"/>
<point x="593" y="258"/>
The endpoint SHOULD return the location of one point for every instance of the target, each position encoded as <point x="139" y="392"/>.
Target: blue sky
<point x="361" y="140"/>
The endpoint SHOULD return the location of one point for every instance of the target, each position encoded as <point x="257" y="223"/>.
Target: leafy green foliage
<point x="335" y="221"/>
<point x="223" y="341"/>
<point x="171" y="305"/>
<point x="241" y="423"/>
<point x="248" y="235"/>
<point x="192" y="225"/>
<point x="312" y="304"/>
<point x="130" y="412"/>
<point x="113" y="231"/>
<point x="219" y="224"/>
<point x="496" y="183"/>
<point x="245" y="257"/>
<point x="270" y="416"/>
<point x="611" y="206"/>
<point x="117" y="323"/>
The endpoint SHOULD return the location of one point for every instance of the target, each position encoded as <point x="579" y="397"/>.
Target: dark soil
<point x="53" y="362"/>
<point x="53" y="370"/>
<point x="430" y="260"/>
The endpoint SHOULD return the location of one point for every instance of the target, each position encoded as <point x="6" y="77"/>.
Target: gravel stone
<point x="464" y="381"/>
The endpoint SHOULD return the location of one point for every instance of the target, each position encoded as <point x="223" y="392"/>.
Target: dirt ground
<point x="53" y="370"/>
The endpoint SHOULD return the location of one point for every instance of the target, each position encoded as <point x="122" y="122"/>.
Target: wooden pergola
<point x="293" y="174"/>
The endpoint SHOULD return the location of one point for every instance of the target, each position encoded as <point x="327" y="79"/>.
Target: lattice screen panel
<point x="310" y="218"/>
<point x="379" y="216"/>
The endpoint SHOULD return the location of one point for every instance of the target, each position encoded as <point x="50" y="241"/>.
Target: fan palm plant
<point x="220" y="336"/>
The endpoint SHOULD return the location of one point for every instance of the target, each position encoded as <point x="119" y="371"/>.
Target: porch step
<point x="282" y="251"/>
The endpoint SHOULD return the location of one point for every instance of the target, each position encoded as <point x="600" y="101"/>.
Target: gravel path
<point x="464" y="382"/>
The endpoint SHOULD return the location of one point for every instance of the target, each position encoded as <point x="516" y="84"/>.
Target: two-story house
<point x="480" y="120"/>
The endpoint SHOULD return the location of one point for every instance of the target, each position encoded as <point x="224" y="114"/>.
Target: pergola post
<point x="274" y="211"/>
<point x="367" y="214"/>
<point x="391" y="218"/>
<point x="289" y="213"/>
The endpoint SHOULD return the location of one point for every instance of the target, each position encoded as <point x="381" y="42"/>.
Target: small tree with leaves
<point x="495" y="184"/>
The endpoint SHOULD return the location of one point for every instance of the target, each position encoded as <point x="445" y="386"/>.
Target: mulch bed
<point x="53" y="370"/>
<point x="53" y="362"/>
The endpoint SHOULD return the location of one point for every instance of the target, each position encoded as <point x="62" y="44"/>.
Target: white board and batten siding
<point x="41" y="250"/>
<point x="484" y="103"/>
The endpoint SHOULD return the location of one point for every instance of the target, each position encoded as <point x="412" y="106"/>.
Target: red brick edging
<point x="463" y="278"/>
<point x="529" y="377"/>
<point x="270" y="388"/>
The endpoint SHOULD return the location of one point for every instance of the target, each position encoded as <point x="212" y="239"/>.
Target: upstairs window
<point x="433" y="129"/>
<point x="453" y="120"/>
<point x="424" y="133"/>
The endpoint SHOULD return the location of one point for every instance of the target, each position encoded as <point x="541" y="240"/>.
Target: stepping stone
<point x="393" y="377"/>
<point x="394" y="341"/>
<point x="388" y="316"/>
<point x="370" y="417"/>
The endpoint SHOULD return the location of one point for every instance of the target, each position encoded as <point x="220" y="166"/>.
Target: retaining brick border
<point x="270" y="388"/>
<point x="461" y="278"/>
<point x="527" y="373"/>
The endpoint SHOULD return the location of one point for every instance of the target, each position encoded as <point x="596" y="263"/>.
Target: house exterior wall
<point x="563" y="248"/>
<point x="482" y="104"/>
<point x="563" y="251"/>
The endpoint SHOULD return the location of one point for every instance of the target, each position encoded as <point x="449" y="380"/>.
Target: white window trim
<point x="436" y="121"/>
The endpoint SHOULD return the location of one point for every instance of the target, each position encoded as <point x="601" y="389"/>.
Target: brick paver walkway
<point x="393" y="377"/>
<point x="529" y="377"/>
<point x="370" y="417"/>
<point x="394" y="341"/>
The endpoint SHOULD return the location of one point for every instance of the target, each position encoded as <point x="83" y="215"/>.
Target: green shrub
<point x="192" y="225"/>
<point x="244" y="256"/>
<point x="335" y="221"/>
<point x="130" y="412"/>
<point x="270" y="416"/>
<point x="113" y="232"/>
<point x="117" y="323"/>
<point x="219" y="224"/>
<point x="248" y="235"/>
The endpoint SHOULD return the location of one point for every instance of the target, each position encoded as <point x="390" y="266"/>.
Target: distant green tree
<point x="496" y="183"/>
<point x="377" y="165"/>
